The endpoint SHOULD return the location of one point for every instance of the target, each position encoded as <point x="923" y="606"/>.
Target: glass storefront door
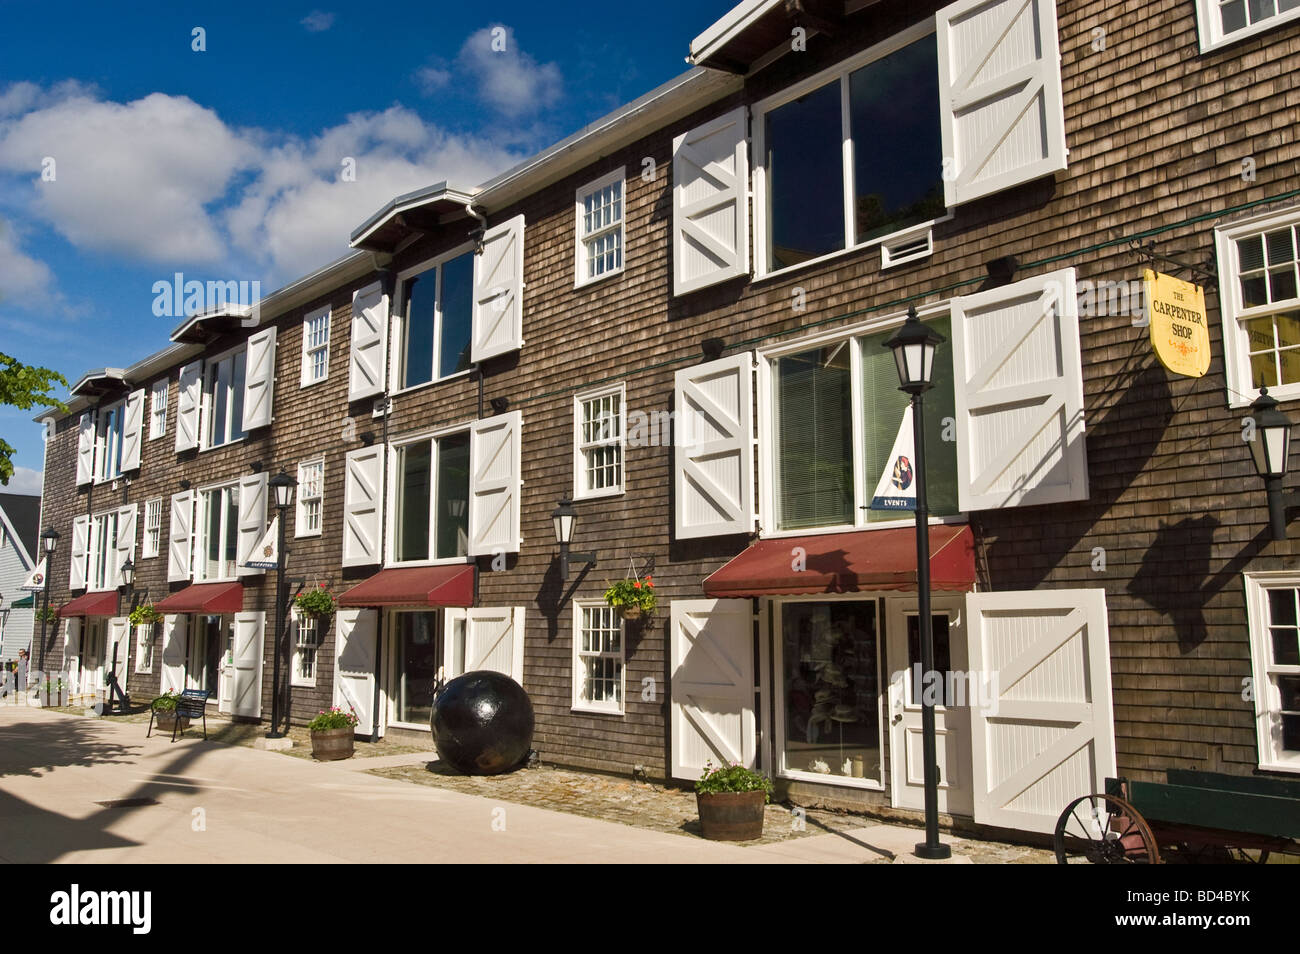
<point x="417" y="657"/>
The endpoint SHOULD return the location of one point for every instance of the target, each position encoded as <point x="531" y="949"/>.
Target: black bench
<point x="190" y="704"/>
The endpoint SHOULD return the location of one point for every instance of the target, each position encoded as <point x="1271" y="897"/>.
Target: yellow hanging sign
<point x="1180" y="333"/>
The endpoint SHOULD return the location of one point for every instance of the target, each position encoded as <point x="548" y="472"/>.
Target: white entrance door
<point x="246" y="653"/>
<point x="951" y="689"/>
<point x="92" y="655"/>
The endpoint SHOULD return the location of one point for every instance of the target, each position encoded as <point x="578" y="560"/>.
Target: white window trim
<point x="101" y="444"/>
<point x="1267" y="700"/>
<point x="140" y="644"/>
<point x="578" y="703"/>
<point x="145" y="553"/>
<point x="199" y="535"/>
<point x="298" y="519"/>
<point x="108" y="585"/>
<point x="398" y="315"/>
<point x="1209" y="25"/>
<point x="766" y="428"/>
<point x="306" y="380"/>
<point x="840" y="71"/>
<point x="205" y="400"/>
<point x="390" y="509"/>
<point x="158" y="387"/>
<point x="580" y="278"/>
<point x="295" y="678"/>
<point x="580" y="491"/>
<point x="1236" y="357"/>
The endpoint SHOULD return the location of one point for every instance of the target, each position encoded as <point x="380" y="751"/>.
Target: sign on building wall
<point x="1180" y="333"/>
<point x="896" y="489"/>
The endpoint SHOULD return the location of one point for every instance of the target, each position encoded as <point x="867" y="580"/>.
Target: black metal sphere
<point x="483" y="723"/>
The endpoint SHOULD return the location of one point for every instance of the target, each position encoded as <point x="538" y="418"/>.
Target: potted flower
<point x="164" y="711"/>
<point x="632" y="598"/>
<point x="144" y="615"/>
<point x="316" y="602"/>
<point x="731" y="800"/>
<point x="332" y="734"/>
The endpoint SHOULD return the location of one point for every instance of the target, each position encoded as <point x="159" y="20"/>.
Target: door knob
<point x="898" y="717"/>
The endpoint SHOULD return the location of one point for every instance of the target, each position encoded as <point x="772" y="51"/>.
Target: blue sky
<point x="226" y="163"/>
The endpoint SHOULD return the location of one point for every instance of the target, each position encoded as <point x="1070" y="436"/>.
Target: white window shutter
<point x="180" y="535"/>
<point x="124" y="545"/>
<point x="368" y="351"/>
<point x="173" y="653"/>
<point x="1001" y="108"/>
<point x="80" y="551"/>
<point x="494" y="467"/>
<point x="259" y="379"/>
<point x="245" y="673"/>
<point x="498" y="323"/>
<point x="133" y="430"/>
<point x="252" y="520"/>
<point x="117" y="650"/>
<point x="494" y="639"/>
<point x="362" y="485"/>
<point x="711" y="661"/>
<point x="356" y="635"/>
<point x="1019" y="395"/>
<point x="713" y="454"/>
<point x="188" y="397"/>
<point x="71" y="647"/>
<point x="86" y="448"/>
<point x="1048" y="735"/>
<point x="711" y="203"/>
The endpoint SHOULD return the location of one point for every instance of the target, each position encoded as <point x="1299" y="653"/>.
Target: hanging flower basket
<point x="316" y="602"/>
<point x="47" y="614"/>
<point x="144" y="615"/>
<point x="632" y="598"/>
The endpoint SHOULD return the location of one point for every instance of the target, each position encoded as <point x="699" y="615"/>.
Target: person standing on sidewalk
<point x="21" y="674"/>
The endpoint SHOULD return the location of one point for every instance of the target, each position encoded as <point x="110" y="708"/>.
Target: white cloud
<point x="25" y="481"/>
<point x="506" y="77"/>
<point x="317" y="21"/>
<point x="432" y="77"/>
<point x="22" y="278"/>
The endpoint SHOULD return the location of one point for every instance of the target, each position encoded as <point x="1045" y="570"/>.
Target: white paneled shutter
<point x="246" y="670"/>
<point x="259" y="379"/>
<point x="711" y="203"/>
<point x="71" y="648"/>
<point x="498" y="323"/>
<point x="179" y="536"/>
<point x="188" y="396"/>
<point x="494" y="464"/>
<point x="494" y="639"/>
<point x="117" y="651"/>
<point x="711" y="658"/>
<point x="133" y="430"/>
<point x="362" y="485"/>
<point x="252" y="521"/>
<point x="368" y="351"/>
<point x="1001" y="108"/>
<point x="80" y="550"/>
<point x="1019" y="395"/>
<point x="173" y="653"/>
<point x="124" y="545"/>
<point x="356" y="634"/>
<point x="713" y="453"/>
<point x="86" y="448"/>
<point x="1048" y="734"/>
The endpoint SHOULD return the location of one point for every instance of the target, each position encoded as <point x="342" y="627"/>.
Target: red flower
<point x="636" y="586"/>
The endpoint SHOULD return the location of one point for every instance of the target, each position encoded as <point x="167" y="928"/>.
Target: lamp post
<point x="565" y="518"/>
<point x="50" y="540"/>
<point x="282" y="485"/>
<point x="1270" y="446"/>
<point x="914" y="346"/>
<point x="128" y="581"/>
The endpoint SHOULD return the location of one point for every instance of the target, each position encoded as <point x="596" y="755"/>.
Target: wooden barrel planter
<point x="731" y="816"/>
<point x="333" y="744"/>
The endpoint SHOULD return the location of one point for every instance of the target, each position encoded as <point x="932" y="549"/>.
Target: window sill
<point x="591" y="710"/>
<point x="203" y="448"/>
<point x="599" y="278"/>
<point x="306" y="384"/>
<point x="598" y="494"/>
<point x="847" y="781"/>
<point x="1280" y="766"/>
<point x="1265" y="26"/>
<point x="306" y="534"/>
<point x="303" y="685"/>
<point x="851" y="528"/>
<point x="428" y="384"/>
<point x="861" y="247"/>
<point x="445" y="561"/>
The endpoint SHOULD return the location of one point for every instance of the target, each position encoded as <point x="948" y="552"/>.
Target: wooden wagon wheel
<point x="1104" y="830"/>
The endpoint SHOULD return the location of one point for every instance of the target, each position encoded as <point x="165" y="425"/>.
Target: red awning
<point x="847" y="563"/>
<point x="415" y="586"/>
<point x="204" y="598"/>
<point x="92" y="604"/>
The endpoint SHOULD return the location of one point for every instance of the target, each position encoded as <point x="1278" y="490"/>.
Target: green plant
<point x="144" y="614"/>
<point x="333" y="718"/>
<point x="733" y="778"/>
<point x="318" y="601"/>
<point x="47" y="614"/>
<point x="627" y="594"/>
<point x="166" y="702"/>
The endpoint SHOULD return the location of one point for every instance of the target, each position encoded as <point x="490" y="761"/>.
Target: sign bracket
<point x="1206" y="272"/>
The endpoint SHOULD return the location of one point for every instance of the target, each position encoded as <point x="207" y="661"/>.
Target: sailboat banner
<point x="897" y="487"/>
<point x="266" y="555"/>
<point x="36" y="579"/>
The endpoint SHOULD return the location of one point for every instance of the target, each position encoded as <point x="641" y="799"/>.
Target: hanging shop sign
<point x="1180" y="333"/>
<point x="36" y="580"/>
<point x="897" y="487"/>
<point x="266" y="555"/>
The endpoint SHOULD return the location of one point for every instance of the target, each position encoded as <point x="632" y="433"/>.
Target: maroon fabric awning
<point x="415" y="586"/>
<point x="91" y="604"/>
<point x="204" y="598"/>
<point x="847" y="563"/>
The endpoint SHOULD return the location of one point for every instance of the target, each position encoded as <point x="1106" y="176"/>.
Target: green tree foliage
<point x="24" y="387"/>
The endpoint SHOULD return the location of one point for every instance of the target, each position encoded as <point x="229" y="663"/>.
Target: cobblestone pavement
<point x="667" y="809"/>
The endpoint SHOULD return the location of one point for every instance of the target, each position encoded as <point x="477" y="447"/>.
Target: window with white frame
<point x="597" y="658"/>
<point x="435" y="319"/>
<point x="836" y="413"/>
<point x="599" y="440"/>
<point x="223" y="399"/>
<point x="152" y="544"/>
<point x="315" y="346"/>
<point x="145" y="634"/>
<point x="101" y="552"/>
<point x="1225" y="21"/>
<point x="311" y="491"/>
<point x="217" y="529"/>
<point x="158" y="409"/>
<point x="306" y="642"/>
<point x="851" y="155"/>
<point x="1273" y="600"/>
<point x="108" y="441"/>
<point x="430" y="516"/>
<point x="600" y="242"/>
<point x="1260" y="299"/>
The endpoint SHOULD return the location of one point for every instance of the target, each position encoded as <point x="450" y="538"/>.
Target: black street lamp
<point x="50" y="540"/>
<point x="914" y="346"/>
<point x="128" y="581"/>
<point x="282" y="485"/>
<point x="1270" y="447"/>
<point x="565" y="518"/>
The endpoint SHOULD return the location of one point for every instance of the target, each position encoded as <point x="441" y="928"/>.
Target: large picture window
<point x="436" y="321"/>
<point x="431" y="513"/>
<point x="108" y="441"/>
<point x="218" y="526"/>
<point x="101" y="574"/>
<point x="223" y="399"/>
